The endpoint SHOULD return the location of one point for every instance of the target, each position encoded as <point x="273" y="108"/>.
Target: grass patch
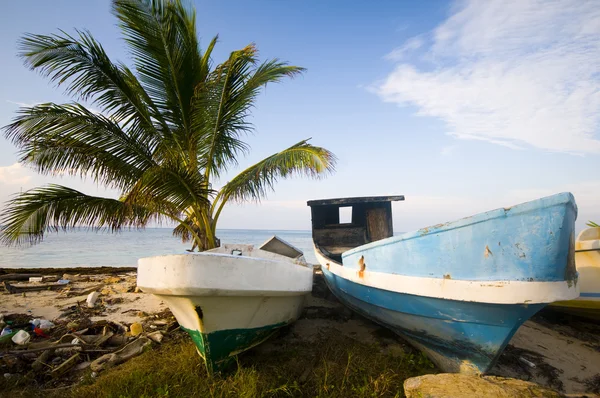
<point x="330" y="366"/>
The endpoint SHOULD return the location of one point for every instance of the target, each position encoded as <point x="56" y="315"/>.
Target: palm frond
<point x="302" y="159"/>
<point x="73" y="140"/>
<point x="222" y="105"/>
<point x="162" y="39"/>
<point x="32" y="213"/>
<point x="592" y="224"/>
<point x="175" y="184"/>
<point x="83" y="66"/>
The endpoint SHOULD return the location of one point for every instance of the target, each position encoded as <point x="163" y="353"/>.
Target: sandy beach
<point x="551" y="350"/>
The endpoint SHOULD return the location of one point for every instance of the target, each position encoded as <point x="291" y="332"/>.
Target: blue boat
<point x="458" y="291"/>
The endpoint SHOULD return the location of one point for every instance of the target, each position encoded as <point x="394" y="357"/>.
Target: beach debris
<point x="65" y="366"/>
<point x="36" y="279"/>
<point x="42" y="324"/>
<point x="112" y="279"/>
<point x="131" y="350"/>
<point x="136" y="328"/>
<point x="21" y="337"/>
<point x="157" y="336"/>
<point x="60" y="351"/>
<point x="527" y="362"/>
<point x="85" y="291"/>
<point x="18" y="277"/>
<point x="76" y="278"/>
<point x="12" y="289"/>
<point x="91" y="299"/>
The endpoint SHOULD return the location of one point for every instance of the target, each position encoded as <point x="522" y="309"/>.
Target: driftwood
<point x="18" y="277"/>
<point x="86" y="291"/>
<point x="48" y="347"/>
<point x="37" y="288"/>
<point x="70" y="270"/>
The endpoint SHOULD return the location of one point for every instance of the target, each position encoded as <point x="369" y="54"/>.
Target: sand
<point x="565" y="351"/>
<point x="117" y="302"/>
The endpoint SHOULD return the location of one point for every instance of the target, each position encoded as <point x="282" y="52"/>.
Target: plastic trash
<point x="136" y="328"/>
<point x="42" y="324"/>
<point x="21" y="337"/>
<point x="5" y="331"/>
<point x="91" y="299"/>
<point x="39" y="332"/>
<point x="63" y="281"/>
<point x="36" y="279"/>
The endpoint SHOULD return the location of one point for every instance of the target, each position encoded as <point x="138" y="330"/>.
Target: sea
<point x="87" y="248"/>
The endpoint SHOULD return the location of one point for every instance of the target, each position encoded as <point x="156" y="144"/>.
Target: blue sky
<point x="460" y="106"/>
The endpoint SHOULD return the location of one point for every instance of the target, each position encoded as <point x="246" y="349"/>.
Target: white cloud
<point x="14" y="174"/>
<point x="516" y="73"/>
<point x="412" y="44"/>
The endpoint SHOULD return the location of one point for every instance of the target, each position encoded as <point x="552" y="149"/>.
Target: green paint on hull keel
<point x="220" y="348"/>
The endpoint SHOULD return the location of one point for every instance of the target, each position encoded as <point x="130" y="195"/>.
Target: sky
<point x="461" y="106"/>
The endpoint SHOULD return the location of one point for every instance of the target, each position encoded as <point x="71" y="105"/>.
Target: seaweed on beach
<point x="511" y="358"/>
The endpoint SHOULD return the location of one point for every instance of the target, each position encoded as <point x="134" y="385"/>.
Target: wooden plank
<point x="348" y="236"/>
<point x="35" y="288"/>
<point x="377" y="224"/>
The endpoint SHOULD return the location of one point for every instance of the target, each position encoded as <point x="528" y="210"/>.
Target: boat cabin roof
<point x="369" y="220"/>
<point x="353" y="201"/>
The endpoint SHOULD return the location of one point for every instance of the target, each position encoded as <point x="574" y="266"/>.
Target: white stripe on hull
<point x="494" y="292"/>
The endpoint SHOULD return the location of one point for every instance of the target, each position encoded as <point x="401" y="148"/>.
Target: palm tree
<point x="162" y="136"/>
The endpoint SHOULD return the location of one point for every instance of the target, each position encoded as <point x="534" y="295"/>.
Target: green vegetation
<point x="331" y="366"/>
<point x="163" y="134"/>
<point x="592" y="224"/>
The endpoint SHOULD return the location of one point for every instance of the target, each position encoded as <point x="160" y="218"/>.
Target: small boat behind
<point x="231" y="298"/>
<point x="459" y="290"/>
<point x="587" y="261"/>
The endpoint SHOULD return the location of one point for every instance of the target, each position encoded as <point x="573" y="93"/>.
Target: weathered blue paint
<point x="468" y="335"/>
<point x="533" y="241"/>
<point x="528" y="242"/>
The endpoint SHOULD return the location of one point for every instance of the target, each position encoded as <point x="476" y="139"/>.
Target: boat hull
<point x="222" y="327"/>
<point x="458" y="336"/>
<point x="460" y="290"/>
<point x="227" y="303"/>
<point x="587" y="261"/>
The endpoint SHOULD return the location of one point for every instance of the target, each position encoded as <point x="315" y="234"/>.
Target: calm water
<point x="81" y="248"/>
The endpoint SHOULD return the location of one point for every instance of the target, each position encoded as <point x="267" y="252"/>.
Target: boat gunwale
<point x="526" y="207"/>
<point x="488" y="291"/>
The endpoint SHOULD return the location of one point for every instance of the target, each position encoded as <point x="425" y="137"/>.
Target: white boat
<point x="231" y="298"/>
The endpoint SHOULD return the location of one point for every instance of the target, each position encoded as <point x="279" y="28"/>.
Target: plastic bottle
<point x="5" y="331"/>
<point x="42" y="324"/>
<point x="91" y="299"/>
<point x="21" y="338"/>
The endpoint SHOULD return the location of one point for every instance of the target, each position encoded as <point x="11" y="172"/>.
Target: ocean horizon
<point x="83" y="247"/>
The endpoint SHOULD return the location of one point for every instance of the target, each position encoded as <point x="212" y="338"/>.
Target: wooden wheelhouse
<point x="339" y="225"/>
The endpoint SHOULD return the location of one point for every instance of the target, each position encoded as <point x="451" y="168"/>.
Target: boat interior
<point x="339" y="225"/>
